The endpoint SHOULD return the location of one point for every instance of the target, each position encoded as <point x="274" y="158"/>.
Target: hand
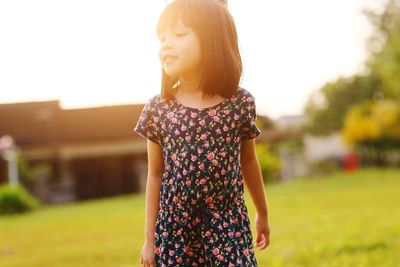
<point x="263" y="231"/>
<point x="147" y="255"/>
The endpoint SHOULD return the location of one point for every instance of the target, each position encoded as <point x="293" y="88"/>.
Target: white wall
<point x="318" y="148"/>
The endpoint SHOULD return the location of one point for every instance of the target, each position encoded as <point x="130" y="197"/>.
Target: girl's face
<point x="180" y="52"/>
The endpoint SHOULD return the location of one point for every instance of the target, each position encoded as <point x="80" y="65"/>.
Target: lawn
<point x="339" y="220"/>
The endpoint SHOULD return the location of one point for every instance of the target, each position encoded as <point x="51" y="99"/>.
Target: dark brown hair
<point x="215" y="29"/>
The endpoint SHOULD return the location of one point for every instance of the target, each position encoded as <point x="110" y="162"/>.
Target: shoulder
<point x="153" y="101"/>
<point x="246" y="96"/>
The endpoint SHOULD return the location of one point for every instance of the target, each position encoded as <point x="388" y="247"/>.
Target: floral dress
<point x="202" y="219"/>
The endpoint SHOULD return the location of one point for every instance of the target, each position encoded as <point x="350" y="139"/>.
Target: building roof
<point x="44" y="122"/>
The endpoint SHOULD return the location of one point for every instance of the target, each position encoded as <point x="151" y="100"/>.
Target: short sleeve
<point x="147" y="125"/>
<point x="248" y="127"/>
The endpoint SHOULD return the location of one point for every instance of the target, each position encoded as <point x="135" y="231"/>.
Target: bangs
<point x="173" y="14"/>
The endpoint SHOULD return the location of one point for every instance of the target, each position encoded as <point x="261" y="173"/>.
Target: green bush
<point x="15" y="199"/>
<point x="325" y="166"/>
<point x="269" y="163"/>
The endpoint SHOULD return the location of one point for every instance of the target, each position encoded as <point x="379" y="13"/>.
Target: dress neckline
<point x="205" y="108"/>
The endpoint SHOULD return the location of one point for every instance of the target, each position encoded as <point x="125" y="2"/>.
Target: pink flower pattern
<point x="203" y="218"/>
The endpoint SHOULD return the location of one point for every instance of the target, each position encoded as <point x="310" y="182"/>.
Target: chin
<point x="172" y="72"/>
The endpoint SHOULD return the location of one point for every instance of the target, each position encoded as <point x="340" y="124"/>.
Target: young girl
<point x="201" y="148"/>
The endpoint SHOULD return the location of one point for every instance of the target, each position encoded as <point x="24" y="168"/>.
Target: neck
<point x="190" y="84"/>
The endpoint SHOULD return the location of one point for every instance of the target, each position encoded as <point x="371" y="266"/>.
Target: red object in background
<point x="350" y="162"/>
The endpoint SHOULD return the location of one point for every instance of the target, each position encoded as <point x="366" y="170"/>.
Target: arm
<point x="153" y="187"/>
<point x="252" y="176"/>
<point x="253" y="179"/>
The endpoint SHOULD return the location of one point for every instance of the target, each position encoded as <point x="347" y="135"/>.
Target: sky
<point x="89" y="53"/>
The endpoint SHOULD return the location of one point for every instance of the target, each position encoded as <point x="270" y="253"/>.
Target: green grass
<point x="340" y="220"/>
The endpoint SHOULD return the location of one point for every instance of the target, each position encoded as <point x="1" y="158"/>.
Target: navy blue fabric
<point x="203" y="218"/>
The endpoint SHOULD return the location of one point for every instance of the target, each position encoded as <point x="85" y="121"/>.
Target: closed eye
<point x="179" y="34"/>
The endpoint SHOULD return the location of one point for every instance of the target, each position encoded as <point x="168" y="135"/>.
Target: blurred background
<point x="73" y="80"/>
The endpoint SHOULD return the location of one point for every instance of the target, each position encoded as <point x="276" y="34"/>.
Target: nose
<point x="166" y="44"/>
<point x="165" y="47"/>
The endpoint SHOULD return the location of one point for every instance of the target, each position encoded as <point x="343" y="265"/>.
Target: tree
<point x="326" y="110"/>
<point x="384" y="47"/>
<point x="373" y="127"/>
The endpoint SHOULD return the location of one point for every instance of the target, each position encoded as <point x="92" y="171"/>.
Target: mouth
<point x="169" y="58"/>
